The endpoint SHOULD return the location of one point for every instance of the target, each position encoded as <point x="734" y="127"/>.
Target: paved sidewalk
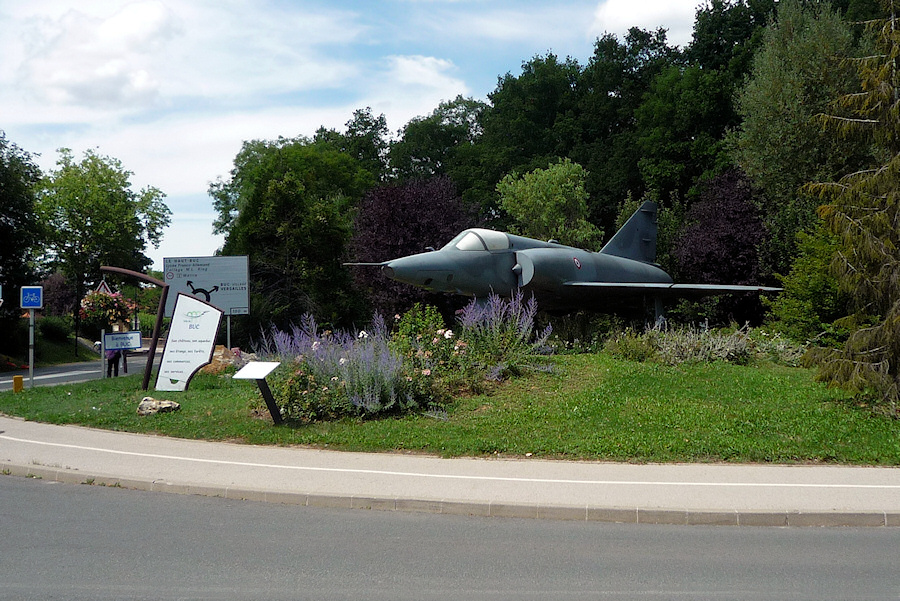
<point x="722" y="494"/>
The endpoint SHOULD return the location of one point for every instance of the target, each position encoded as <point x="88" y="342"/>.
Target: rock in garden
<point x="149" y="406"/>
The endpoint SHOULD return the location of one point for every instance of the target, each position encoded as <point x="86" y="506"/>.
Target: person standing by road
<point x="112" y="363"/>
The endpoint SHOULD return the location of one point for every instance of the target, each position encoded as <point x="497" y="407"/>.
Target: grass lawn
<point x="590" y="407"/>
<point x="49" y="352"/>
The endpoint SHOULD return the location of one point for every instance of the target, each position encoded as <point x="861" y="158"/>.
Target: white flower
<point x="363" y="334"/>
<point x="342" y="361"/>
<point x="448" y="334"/>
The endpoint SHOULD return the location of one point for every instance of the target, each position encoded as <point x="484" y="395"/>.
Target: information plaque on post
<point x="190" y="344"/>
<point x="258" y="370"/>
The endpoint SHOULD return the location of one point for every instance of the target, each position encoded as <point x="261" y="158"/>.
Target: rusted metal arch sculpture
<point x="160" y="313"/>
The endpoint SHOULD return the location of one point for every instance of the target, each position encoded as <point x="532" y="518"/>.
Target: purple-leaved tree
<point x="398" y="220"/>
<point x="719" y="243"/>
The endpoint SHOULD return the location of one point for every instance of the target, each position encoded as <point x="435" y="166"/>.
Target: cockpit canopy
<point x="479" y="239"/>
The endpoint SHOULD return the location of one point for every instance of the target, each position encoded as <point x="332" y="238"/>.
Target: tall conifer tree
<point x="863" y="210"/>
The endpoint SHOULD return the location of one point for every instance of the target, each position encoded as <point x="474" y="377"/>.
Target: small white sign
<point x="256" y="370"/>
<point x="122" y="341"/>
<point x="190" y="343"/>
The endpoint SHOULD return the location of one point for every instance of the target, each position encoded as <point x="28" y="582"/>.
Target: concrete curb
<point x="587" y="513"/>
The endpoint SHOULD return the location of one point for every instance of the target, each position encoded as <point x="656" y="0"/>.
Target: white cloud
<point x="411" y="86"/>
<point x="122" y="58"/>
<point x="79" y="59"/>
<point x="563" y="27"/>
<point x="189" y="235"/>
<point x="677" y="16"/>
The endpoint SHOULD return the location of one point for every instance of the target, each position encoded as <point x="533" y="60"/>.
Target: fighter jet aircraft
<point x="623" y="275"/>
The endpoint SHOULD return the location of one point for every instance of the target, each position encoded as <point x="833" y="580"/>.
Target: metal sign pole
<point x="103" y="358"/>
<point x="31" y="347"/>
<point x="31" y="298"/>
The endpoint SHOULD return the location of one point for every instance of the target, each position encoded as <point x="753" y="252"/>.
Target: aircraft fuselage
<point x="623" y="275"/>
<point x="478" y="263"/>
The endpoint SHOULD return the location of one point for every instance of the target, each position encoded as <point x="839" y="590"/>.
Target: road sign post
<point x="31" y="298"/>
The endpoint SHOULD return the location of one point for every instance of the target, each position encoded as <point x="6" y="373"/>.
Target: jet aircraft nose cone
<point x="426" y="270"/>
<point x="404" y="269"/>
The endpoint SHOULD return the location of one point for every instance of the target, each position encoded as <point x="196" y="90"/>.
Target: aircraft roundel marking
<point x="577" y="262"/>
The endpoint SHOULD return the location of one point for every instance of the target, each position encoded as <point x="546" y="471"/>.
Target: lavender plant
<point x="325" y="375"/>
<point x="500" y="335"/>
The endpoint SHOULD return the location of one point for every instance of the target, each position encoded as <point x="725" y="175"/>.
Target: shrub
<point x="327" y="375"/>
<point x="683" y="345"/>
<point x="428" y="346"/>
<point x="693" y="345"/>
<point x="55" y="328"/>
<point x="778" y="348"/>
<point x="631" y="346"/>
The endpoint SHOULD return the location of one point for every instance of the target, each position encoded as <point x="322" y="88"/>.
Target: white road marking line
<point x="456" y="476"/>
<point x="59" y="375"/>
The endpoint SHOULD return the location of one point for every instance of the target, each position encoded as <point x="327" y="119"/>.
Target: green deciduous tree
<point x="430" y="146"/>
<point x="727" y="33"/>
<point x="20" y="234"/>
<point x="680" y="126"/>
<point x="798" y="70"/>
<point x="863" y="210"/>
<point x="289" y="207"/>
<point x="366" y="140"/>
<point x="550" y="204"/>
<point x="527" y="125"/>
<point x="19" y="227"/>
<point x="93" y="217"/>
<point x="604" y="133"/>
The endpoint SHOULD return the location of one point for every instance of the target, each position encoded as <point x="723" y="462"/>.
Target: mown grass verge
<point x="590" y="406"/>
<point x="48" y="352"/>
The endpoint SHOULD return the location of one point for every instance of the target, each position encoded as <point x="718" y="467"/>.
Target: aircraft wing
<point x="673" y="289"/>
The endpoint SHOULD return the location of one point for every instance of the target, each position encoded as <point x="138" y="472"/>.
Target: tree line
<point x="722" y="134"/>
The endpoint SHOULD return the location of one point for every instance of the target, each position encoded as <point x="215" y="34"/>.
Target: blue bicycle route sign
<point x="32" y="297"/>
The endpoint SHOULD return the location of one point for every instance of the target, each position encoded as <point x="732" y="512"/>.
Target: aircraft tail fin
<point x="637" y="238"/>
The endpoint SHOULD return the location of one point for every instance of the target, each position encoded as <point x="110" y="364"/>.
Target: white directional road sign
<point x="219" y="281"/>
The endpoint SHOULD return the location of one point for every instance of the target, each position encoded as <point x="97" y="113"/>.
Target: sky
<point x="172" y="88"/>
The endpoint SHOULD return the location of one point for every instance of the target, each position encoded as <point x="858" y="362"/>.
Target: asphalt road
<point x="68" y="373"/>
<point x="78" y="542"/>
<point x="71" y="373"/>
